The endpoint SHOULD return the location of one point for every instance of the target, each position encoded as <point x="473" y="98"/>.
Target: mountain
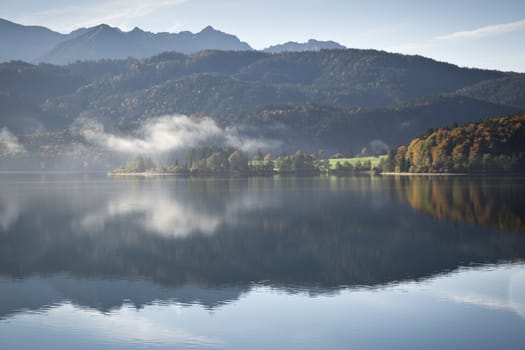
<point x="18" y="42"/>
<point x="105" y="42"/>
<point x="226" y="84"/>
<point x="40" y="44"/>
<point x="331" y="99"/>
<point x="310" y="45"/>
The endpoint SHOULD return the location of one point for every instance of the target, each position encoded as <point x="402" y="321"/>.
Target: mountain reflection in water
<point x="101" y="243"/>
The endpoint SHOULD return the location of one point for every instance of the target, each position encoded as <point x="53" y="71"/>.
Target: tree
<point x="139" y="165"/>
<point x="259" y="155"/>
<point x="237" y="161"/>
<point x="284" y="164"/>
<point x="217" y="162"/>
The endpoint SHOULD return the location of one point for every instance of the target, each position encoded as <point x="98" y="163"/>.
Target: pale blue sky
<point x="478" y="33"/>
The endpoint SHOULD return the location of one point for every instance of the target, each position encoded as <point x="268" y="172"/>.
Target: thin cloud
<point x="495" y="29"/>
<point x="479" y="33"/>
<point x="120" y="13"/>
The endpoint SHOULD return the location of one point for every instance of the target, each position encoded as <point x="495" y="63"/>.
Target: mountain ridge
<point x="330" y="99"/>
<point x="106" y="42"/>
<point x="38" y="44"/>
<point x="310" y="45"/>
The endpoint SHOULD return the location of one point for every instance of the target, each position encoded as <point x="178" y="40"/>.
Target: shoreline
<point x="427" y="174"/>
<point x="145" y="174"/>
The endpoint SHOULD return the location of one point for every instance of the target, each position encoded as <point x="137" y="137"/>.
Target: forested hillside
<point x="331" y="99"/>
<point x="491" y="145"/>
<point x="508" y="90"/>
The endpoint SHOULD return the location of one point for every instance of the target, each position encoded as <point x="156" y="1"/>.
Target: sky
<point x="472" y="33"/>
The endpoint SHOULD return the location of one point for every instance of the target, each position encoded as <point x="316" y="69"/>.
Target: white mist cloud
<point x="9" y="143"/>
<point x="170" y="133"/>
<point x="378" y="146"/>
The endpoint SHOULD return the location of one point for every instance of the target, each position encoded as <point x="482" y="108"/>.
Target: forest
<point x="213" y="160"/>
<point x="490" y="145"/>
<point x="330" y="99"/>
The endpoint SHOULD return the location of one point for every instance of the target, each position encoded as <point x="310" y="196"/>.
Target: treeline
<point x="215" y="160"/>
<point x="490" y="145"/>
<point x="201" y="160"/>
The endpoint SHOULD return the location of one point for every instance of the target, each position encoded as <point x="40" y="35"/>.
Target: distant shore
<point x="146" y="174"/>
<point x="424" y="174"/>
<point x="238" y="174"/>
<point x="153" y="174"/>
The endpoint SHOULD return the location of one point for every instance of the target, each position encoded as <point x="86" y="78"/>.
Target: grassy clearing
<point x="374" y="161"/>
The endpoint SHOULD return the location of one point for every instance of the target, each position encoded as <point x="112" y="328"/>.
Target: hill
<point x="345" y="129"/>
<point x="508" y="90"/>
<point x="490" y="145"/>
<point x="330" y="99"/>
<point x="224" y="84"/>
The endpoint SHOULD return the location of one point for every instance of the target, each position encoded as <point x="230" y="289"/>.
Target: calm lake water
<point x="90" y="262"/>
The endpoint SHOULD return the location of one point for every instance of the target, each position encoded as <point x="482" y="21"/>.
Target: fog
<point x="168" y="134"/>
<point x="9" y="143"/>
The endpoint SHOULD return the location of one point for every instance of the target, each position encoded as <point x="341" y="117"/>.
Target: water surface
<point x="361" y="262"/>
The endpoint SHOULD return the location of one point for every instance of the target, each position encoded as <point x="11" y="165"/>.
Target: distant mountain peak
<point x="106" y="27"/>
<point x="20" y="42"/>
<point x="106" y="42"/>
<point x="209" y="28"/>
<point x="310" y="45"/>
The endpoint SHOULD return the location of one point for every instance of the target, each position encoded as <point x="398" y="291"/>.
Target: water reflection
<point x="104" y="243"/>
<point x="485" y="302"/>
<point x="480" y="201"/>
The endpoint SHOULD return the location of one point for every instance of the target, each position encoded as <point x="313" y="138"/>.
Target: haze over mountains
<point x="39" y="44"/>
<point x="332" y="99"/>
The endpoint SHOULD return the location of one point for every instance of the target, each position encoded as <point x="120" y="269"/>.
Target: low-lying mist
<point x="170" y="133"/>
<point x="9" y="143"/>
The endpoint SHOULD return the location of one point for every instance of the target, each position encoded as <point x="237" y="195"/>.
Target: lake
<point x="91" y="262"/>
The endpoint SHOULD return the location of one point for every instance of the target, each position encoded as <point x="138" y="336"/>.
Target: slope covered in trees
<point x="508" y="90"/>
<point x="335" y="77"/>
<point x="333" y="99"/>
<point x="490" y="145"/>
